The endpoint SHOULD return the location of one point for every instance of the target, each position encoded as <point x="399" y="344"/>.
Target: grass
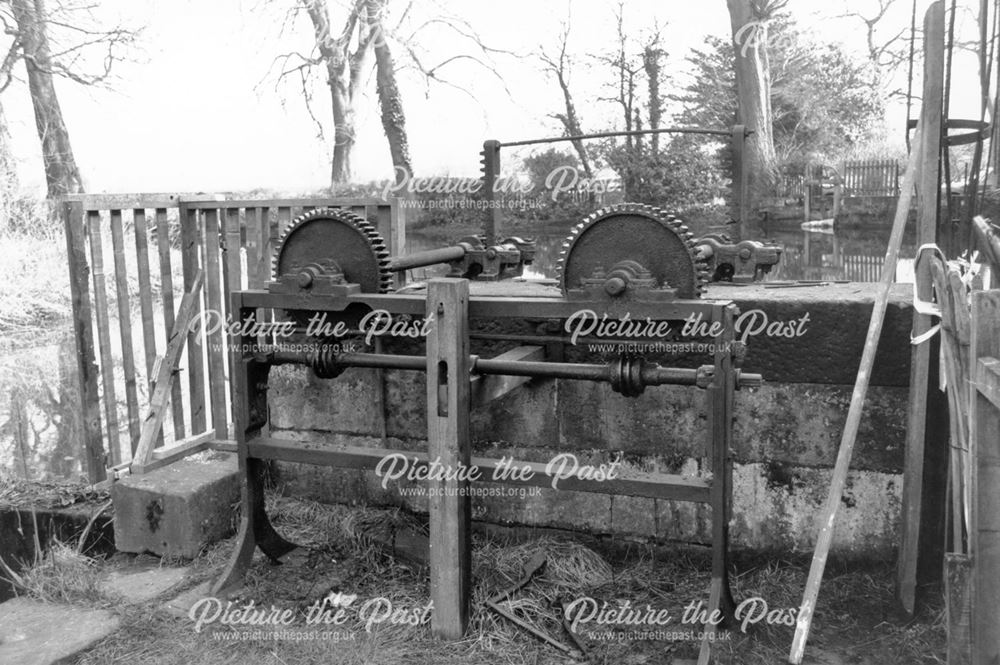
<point x="853" y="620"/>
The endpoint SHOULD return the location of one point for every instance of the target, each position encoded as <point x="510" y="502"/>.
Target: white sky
<point x="201" y="112"/>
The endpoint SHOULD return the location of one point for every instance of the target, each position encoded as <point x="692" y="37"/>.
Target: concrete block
<point x="299" y="400"/>
<point x="406" y="404"/>
<point x="37" y="633"/>
<point x="176" y="510"/>
<point x="524" y="417"/>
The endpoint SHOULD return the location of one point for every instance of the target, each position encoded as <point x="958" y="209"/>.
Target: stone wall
<point x="786" y="433"/>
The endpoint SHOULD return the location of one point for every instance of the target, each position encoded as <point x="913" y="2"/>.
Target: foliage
<point x="825" y="102"/>
<point x="538" y="166"/>
<point x="682" y="174"/>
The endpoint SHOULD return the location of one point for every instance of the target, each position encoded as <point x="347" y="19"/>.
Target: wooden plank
<point x="988" y="380"/>
<point x="485" y="389"/>
<point x="167" y="297"/>
<point x="104" y="335"/>
<point x="842" y="466"/>
<point x="216" y="343"/>
<point x="395" y="236"/>
<point x="83" y="334"/>
<point x="141" y="228"/>
<point x="651" y="485"/>
<point x="984" y="427"/>
<point x="232" y="256"/>
<point x="927" y="209"/>
<point x="125" y="327"/>
<point x="191" y="260"/>
<point x="448" y="444"/>
<point x="125" y="201"/>
<point x="164" y="377"/>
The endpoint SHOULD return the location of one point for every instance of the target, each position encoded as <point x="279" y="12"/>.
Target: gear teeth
<point x="375" y="240"/>
<point x="699" y="277"/>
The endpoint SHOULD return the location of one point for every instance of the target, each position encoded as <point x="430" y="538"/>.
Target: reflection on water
<point x="854" y="255"/>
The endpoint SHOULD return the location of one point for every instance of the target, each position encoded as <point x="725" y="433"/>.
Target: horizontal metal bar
<point x="603" y="135"/>
<point x="652" y="485"/>
<point x="428" y="258"/>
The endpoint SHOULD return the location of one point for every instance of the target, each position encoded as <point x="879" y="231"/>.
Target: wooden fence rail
<point x="227" y="241"/>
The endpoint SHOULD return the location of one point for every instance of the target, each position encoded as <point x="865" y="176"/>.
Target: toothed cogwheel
<point x="335" y="240"/>
<point x="634" y="232"/>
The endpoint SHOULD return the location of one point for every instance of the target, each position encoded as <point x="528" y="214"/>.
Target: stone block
<point x="138" y="586"/>
<point x="176" y="510"/>
<point x="298" y="399"/>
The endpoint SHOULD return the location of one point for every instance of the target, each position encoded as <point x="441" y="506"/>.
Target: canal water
<point x="40" y="428"/>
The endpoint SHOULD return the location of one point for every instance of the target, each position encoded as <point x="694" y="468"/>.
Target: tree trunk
<point x="61" y="173"/>
<point x="389" y="98"/>
<point x="571" y="122"/>
<point x="9" y="183"/>
<point x="753" y="84"/>
<point x="651" y="63"/>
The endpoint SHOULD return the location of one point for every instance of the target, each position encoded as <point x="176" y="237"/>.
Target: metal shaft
<point x="427" y="258"/>
<point x="651" y="374"/>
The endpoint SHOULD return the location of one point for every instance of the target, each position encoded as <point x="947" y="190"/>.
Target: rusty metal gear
<point x="330" y="241"/>
<point x="632" y="232"/>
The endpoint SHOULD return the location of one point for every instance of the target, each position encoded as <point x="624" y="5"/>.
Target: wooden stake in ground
<point x="840" y="470"/>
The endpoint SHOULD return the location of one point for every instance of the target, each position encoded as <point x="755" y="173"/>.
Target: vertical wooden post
<point x="448" y="445"/>
<point x="125" y="328"/>
<point x="216" y="341"/>
<point x="104" y="334"/>
<point x="928" y="189"/>
<point x="984" y="430"/>
<point x="167" y="296"/>
<point x="76" y="253"/>
<point x="395" y="234"/>
<point x="191" y="262"/>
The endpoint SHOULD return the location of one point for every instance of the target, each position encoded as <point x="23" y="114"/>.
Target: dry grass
<point x="853" y="619"/>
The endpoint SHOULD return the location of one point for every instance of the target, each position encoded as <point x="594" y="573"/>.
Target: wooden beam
<point x="191" y="261"/>
<point x="485" y="389"/>
<point x="164" y="377"/>
<point x="104" y="335"/>
<point x="929" y="147"/>
<point x="215" y="339"/>
<point x="125" y="327"/>
<point x="76" y="253"/>
<point x="448" y="444"/>
<point x="984" y="428"/>
<point x="652" y="485"/>
<point x="842" y="466"/>
<point x="167" y="296"/>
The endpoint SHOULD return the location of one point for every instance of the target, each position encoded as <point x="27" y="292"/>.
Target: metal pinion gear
<point x="331" y="241"/>
<point x="635" y="233"/>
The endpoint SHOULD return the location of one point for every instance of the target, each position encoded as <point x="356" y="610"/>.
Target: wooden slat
<point x="928" y="186"/>
<point x="76" y="252"/>
<point x="216" y="349"/>
<point x="183" y="448"/>
<point x="167" y="296"/>
<point x="141" y="228"/>
<point x="125" y="327"/>
<point x="833" y="499"/>
<point x="164" y="377"/>
<point x="651" y="485"/>
<point x="984" y="427"/>
<point x="232" y="256"/>
<point x="191" y="260"/>
<point x="104" y="335"/>
<point x="485" y="389"/>
<point x="988" y="380"/>
<point x="448" y="444"/>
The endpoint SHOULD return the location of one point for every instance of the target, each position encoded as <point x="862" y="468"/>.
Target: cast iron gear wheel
<point x="657" y="240"/>
<point x="335" y="240"/>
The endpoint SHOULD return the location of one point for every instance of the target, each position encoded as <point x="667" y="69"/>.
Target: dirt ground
<point x="383" y="601"/>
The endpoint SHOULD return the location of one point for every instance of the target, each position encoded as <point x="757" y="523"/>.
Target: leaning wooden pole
<point x="842" y="466"/>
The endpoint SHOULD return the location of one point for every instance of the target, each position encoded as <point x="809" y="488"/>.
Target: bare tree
<point x="749" y="22"/>
<point x="389" y="97"/>
<point x="558" y="66"/>
<point x="57" y="43"/>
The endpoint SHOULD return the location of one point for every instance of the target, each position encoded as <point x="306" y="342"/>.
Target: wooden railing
<point x="871" y="178"/>
<point x="224" y="245"/>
